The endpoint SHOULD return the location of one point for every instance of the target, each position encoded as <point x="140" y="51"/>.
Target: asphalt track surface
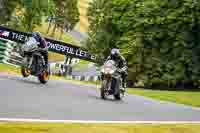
<point x="22" y="98"/>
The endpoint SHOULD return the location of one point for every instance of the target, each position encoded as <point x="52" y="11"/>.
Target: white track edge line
<point x="96" y="122"/>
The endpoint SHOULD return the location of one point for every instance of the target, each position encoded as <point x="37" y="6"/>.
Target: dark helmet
<point x="115" y="53"/>
<point x="37" y="36"/>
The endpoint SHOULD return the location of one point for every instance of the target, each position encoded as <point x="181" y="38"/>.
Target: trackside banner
<point x="53" y="45"/>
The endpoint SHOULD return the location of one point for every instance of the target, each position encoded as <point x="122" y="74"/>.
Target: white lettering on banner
<point x="81" y="53"/>
<point x="26" y="38"/>
<point x="51" y="45"/>
<point x="19" y="37"/>
<point x="57" y="47"/>
<point x="77" y="52"/>
<point x="68" y="50"/>
<point x="13" y="35"/>
<point x="86" y="53"/>
<point x="62" y="48"/>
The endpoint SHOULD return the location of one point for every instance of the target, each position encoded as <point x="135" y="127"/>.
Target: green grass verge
<point x="183" y="97"/>
<point x="96" y="128"/>
<point x="9" y="69"/>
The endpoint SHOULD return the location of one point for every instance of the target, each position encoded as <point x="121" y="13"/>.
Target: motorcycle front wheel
<point x="102" y="90"/>
<point x="105" y="85"/>
<point x="117" y="96"/>
<point x="24" y="70"/>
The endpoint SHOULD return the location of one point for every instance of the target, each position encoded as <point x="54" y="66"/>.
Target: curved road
<point x="64" y="100"/>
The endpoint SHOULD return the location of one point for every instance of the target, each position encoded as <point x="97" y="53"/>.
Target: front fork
<point x="30" y="62"/>
<point x="43" y="61"/>
<point x="106" y="85"/>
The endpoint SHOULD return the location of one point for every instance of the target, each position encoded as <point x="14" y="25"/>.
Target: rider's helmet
<point x="37" y="35"/>
<point x="115" y="53"/>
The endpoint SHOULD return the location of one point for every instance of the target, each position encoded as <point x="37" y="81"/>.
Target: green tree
<point x="6" y="8"/>
<point x="159" y="38"/>
<point x="66" y="15"/>
<point x="51" y="13"/>
<point x="101" y="30"/>
<point x="35" y="10"/>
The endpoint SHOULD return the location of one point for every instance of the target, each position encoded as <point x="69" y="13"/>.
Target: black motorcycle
<point x="33" y="62"/>
<point x="111" y="81"/>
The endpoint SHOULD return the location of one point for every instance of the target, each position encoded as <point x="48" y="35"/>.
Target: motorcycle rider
<point x="43" y="45"/>
<point x="121" y="64"/>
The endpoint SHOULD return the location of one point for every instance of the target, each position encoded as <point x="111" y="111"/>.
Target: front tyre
<point x="117" y="96"/>
<point x="103" y="89"/>
<point x="25" y="71"/>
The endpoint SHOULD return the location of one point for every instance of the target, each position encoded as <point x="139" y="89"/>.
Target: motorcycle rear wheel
<point x="44" y="77"/>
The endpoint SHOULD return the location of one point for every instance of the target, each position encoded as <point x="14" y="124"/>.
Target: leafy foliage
<point x="6" y="10"/>
<point x="66" y="14"/>
<point x="159" y="38"/>
<point x="32" y="13"/>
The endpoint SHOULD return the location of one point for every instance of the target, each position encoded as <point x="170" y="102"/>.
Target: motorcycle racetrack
<point x="26" y="98"/>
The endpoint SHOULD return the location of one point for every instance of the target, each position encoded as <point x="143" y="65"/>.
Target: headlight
<point x="111" y="72"/>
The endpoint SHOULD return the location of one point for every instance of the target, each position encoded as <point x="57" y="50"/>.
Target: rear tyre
<point x="44" y="77"/>
<point x="117" y="96"/>
<point x="24" y="70"/>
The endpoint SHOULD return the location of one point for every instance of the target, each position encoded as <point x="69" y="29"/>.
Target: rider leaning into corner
<point x="43" y="45"/>
<point x="121" y="64"/>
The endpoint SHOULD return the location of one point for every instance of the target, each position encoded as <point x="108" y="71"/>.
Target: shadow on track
<point x="28" y="80"/>
<point x="110" y="99"/>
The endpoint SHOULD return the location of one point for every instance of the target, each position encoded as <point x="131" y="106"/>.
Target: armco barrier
<point x="7" y="53"/>
<point x="84" y="78"/>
